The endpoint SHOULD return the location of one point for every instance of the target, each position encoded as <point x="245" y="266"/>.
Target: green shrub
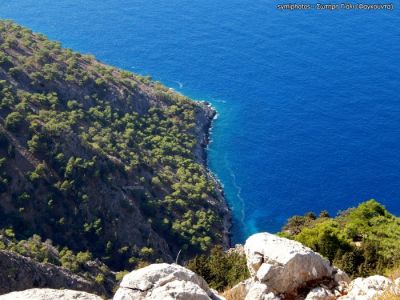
<point x="99" y="278"/>
<point x="325" y="238"/>
<point x="120" y="275"/>
<point x="220" y="269"/>
<point x="362" y="241"/>
<point x="14" y="120"/>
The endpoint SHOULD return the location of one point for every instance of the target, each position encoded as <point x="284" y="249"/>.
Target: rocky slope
<point x="99" y="159"/>
<point x="280" y="269"/>
<point x="21" y="273"/>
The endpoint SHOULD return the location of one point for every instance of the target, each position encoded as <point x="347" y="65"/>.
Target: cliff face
<point x="100" y="159"/>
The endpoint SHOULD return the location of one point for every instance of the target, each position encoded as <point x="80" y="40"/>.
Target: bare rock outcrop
<point x="283" y="265"/>
<point x="285" y="269"/>
<point x="49" y="294"/>
<point x="19" y="273"/>
<point x="320" y="293"/>
<point x="164" y="281"/>
<point x="371" y="287"/>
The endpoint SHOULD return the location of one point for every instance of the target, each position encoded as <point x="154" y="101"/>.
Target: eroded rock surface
<point x="284" y="265"/>
<point x="20" y="273"/>
<point x="164" y="281"/>
<point x="285" y="269"/>
<point x="49" y="294"/>
<point x="320" y="293"/>
<point x="370" y="287"/>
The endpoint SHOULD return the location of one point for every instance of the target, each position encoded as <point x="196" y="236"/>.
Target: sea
<point x="308" y="100"/>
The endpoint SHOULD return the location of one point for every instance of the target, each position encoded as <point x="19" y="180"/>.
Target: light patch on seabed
<point x="238" y="209"/>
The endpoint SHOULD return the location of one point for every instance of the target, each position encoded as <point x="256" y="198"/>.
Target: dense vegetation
<point x="100" y="160"/>
<point x="362" y="241"/>
<point x="220" y="269"/>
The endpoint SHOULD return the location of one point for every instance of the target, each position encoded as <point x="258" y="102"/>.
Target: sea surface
<point x="308" y="101"/>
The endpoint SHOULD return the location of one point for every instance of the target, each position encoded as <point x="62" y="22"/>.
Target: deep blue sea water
<point x="308" y="101"/>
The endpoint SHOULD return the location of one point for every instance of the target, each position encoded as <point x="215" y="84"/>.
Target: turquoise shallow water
<point x="308" y="102"/>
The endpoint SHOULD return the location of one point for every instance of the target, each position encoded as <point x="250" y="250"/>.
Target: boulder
<point x="369" y="288"/>
<point x="49" y="294"/>
<point x="284" y="265"/>
<point x="240" y="290"/>
<point x="239" y="249"/>
<point x="164" y="281"/>
<point x="339" y="276"/>
<point x="320" y="293"/>
<point x="341" y="288"/>
<point x="178" y="290"/>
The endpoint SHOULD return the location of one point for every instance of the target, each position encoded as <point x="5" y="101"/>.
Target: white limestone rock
<point x="49" y="294"/>
<point x="259" y="291"/>
<point x="283" y="265"/>
<point x="240" y="290"/>
<point x="128" y="294"/>
<point x="163" y="281"/>
<point x="179" y="290"/>
<point x="320" y="293"/>
<point x="397" y="282"/>
<point x="340" y="276"/>
<point x="368" y="288"/>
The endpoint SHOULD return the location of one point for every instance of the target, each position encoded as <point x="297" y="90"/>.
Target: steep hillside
<point x="99" y="159"/>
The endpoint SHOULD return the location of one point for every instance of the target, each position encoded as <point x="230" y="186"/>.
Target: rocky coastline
<point x="226" y="215"/>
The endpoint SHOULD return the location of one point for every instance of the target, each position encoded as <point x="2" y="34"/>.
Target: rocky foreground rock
<point x="284" y="265"/>
<point x="285" y="269"/>
<point x="164" y="281"/>
<point x="280" y="269"/>
<point x="49" y="294"/>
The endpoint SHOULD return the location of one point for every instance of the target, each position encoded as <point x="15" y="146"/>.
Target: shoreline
<point x="224" y="209"/>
